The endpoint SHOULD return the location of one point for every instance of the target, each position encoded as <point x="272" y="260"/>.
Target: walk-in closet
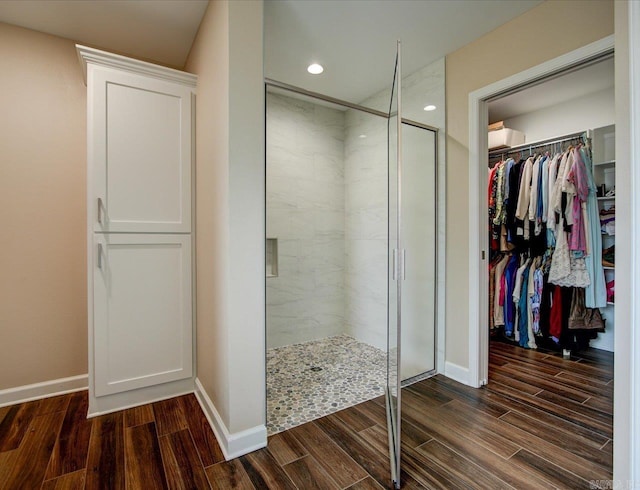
<point x="551" y="201"/>
<point x="551" y="268"/>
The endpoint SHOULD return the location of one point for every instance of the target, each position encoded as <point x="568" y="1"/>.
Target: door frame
<point x="627" y="342"/>
<point x="626" y="428"/>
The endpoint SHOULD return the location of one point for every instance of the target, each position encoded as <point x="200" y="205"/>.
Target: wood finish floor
<point x="542" y="422"/>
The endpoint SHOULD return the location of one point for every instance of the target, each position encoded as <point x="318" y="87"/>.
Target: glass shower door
<point x="396" y="271"/>
<point x="419" y="238"/>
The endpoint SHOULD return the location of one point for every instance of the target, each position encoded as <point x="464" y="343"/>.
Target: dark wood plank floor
<point x="542" y="422"/>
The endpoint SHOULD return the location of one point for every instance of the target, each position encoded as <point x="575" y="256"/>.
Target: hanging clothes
<point x="499" y="292"/>
<point x="578" y="177"/>
<point x="551" y="214"/>
<point x="524" y="197"/>
<point x="509" y="307"/>
<point x="546" y="239"/>
<point x="596" y="292"/>
<point x="567" y="270"/>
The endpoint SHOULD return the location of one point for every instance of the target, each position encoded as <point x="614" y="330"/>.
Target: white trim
<point x="478" y="279"/>
<point x="478" y="238"/>
<point x="101" y="405"/>
<point x="456" y="373"/>
<point x="441" y="258"/>
<point x="46" y="389"/>
<point x="103" y="58"/>
<point x="232" y="445"/>
<point x="138" y="404"/>
<point x="634" y="293"/>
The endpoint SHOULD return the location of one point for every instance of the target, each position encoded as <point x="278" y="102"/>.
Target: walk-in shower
<point x="328" y="249"/>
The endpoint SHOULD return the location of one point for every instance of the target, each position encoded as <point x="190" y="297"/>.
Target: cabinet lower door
<point x="142" y="311"/>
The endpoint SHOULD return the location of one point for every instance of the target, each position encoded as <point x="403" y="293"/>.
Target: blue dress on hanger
<point x="596" y="292"/>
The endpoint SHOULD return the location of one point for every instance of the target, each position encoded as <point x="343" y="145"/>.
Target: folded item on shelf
<point x="609" y="227"/>
<point x="611" y="291"/>
<point x="609" y="256"/>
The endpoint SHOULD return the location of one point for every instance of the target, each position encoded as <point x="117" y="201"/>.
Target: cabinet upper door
<point x="140" y="151"/>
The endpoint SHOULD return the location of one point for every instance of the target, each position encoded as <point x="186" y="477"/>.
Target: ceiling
<point x="354" y="39"/>
<point x="579" y="83"/>
<point x="155" y="30"/>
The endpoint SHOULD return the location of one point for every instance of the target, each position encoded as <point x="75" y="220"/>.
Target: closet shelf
<point x="610" y="303"/>
<point x="609" y="163"/>
<point x="607" y="268"/>
<point x="607" y="198"/>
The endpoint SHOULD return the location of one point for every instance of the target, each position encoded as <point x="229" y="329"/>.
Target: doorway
<point x="569" y="127"/>
<point x="478" y="210"/>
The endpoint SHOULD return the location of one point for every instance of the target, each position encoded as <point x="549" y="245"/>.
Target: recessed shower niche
<point x="271" y="254"/>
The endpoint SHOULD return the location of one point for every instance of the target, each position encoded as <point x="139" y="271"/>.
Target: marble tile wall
<point x="305" y="212"/>
<point x="366" y="202"/>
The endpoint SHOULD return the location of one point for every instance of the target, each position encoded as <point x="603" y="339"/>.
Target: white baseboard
<point x="115" y="402"/>
<point x="232" y="445"/>
<point x="457" y="373"/>
<point x="46" y="389"/>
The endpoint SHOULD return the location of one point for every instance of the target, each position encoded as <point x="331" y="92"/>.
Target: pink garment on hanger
<point x="578" y="177"/>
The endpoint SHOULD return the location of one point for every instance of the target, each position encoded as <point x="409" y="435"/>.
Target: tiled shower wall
<point x="366" y="190"/>
<point x="305" y="213"/>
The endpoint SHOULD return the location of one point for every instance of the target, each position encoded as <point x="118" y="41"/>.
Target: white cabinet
<point x="141" y="310"/>
<point x="139" y="222"/>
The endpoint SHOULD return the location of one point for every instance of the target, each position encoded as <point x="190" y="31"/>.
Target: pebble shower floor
<point x="310" y="380"/>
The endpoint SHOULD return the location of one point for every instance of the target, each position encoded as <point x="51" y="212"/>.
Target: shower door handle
<point x="398" y="271"/>
<point x="394" y="270"/>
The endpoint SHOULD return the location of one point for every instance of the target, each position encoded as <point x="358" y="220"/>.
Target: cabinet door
<point x="142" y="310"/>
<point x="140" y="148"/>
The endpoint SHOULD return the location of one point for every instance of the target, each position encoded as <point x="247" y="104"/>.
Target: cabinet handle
<point x="100" y="210"/>
<point x="100" y="256"/>
<point x="404" y="267"/>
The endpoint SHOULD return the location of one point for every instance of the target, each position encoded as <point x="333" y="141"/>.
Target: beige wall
<point x="246" y="285"/>
<point x="43" y="292"/>
<point x="227" y="57"/>
<point x="549" y="30"/>
<point x="209" y="59"/>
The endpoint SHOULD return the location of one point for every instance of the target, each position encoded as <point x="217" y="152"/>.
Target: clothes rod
<point x="537" y="144"/>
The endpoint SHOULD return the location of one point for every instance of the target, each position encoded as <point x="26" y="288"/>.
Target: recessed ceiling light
<point x="363" y="136"/>
<point x="430" y="107"/>
<point x="315" y="69"/>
